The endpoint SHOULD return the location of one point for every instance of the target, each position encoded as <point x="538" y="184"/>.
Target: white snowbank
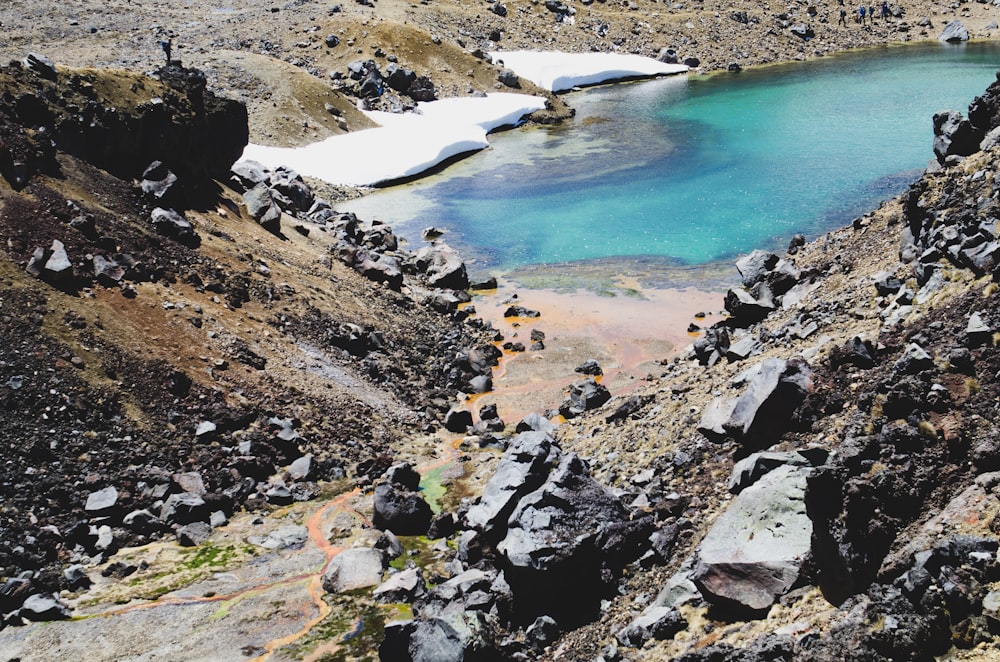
<point x="563" y="71"/>
<point x="408" y="144"/>
<point x="405" y="144"/>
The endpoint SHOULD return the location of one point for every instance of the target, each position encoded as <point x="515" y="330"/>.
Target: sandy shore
<point x="628" y="335"/>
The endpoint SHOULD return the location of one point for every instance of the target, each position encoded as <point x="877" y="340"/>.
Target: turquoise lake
<point x="688" y="170"/>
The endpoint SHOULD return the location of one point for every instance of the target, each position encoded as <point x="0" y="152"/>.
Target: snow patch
<point x="558" y="72"/>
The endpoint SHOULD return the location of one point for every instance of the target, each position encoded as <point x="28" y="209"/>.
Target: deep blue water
<point x="700" y="169"/>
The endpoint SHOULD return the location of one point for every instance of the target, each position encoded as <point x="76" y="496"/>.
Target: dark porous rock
<point x="954" y="136"/>
<point x="747" y="309"/>
<point x="458" y="420"/>
<point x="551" y="554"/>
<point x="107" y="272"/>
<point x="442" y="526"/>
<point x="44" y="607"/>
<point x="913" y="360"/>
<point x="692" y="62"/>
<point x="403" y="475"/>
<point x="422" y="89"/>
<point x="184" y="508"/>
<point x="290" y="192"/>
<point x="655" y="622"/>
<point x="520" y="311"/>
<point x="589" y="367"/>
<point x="262" y="208"/>
<point x="954" y="32"/>
<point x="193" y="534"/>
<point x="401" y="511"/>
<point x="583" y="397"/>
<point x="762" y="414"/>
<point x="856" y="352"/>
<point x="755" y="550"/>
<point x="399" y="78"/>
<point x="354" y="568"/>
<point x="629" y="409"/>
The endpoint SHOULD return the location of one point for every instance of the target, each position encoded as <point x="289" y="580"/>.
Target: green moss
<point x="355" y="625"/>
<point x="432" y="488"/>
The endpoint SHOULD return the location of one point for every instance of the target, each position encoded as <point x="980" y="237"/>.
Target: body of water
<point x="694" y="170"/>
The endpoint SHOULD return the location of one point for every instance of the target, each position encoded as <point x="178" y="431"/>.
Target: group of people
<point x="864" y="14"/>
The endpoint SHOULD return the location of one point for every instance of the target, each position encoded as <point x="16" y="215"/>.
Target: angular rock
<point x="41" y="65"/>
<point x="101" y="500"/>
<point x="762" y="413"/>
<point x="172" y="224"/>
<point x="954" y="32"/>
<point x="584" y="396"/>
<point x="42" y="607"/>
<point x="458" y="420"/>
<point x="522" y="469"/>
<point x="184" y="509"/>
<point x="754" y="552"/>
<point x="746" y="309"/>
<point x="403" y="512"/>
<point x="589" y="367"/>
<point x="289" y="536"/>
<point x="262" y="208"/>
<point x="354" y="568"/>
<point x="653" y="623"/>
<point x="750" y="469"/>
<point x="404" y="586"/>
<point x="194" y="534"/>
<point x="954" y="136"/>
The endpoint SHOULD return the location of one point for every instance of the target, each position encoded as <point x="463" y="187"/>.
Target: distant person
<point x="871" y="13"/>
<point x="167" y="45"/>
<point x="861" y="14"/>
<point x="843" y="17"/>
<point x="885" y="10"/>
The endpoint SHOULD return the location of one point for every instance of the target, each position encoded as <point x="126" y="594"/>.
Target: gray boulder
<point x="290" y="536"/>
<point x="404" y="586"/>
<point x="42" y="607"/>
<point x="262" y="208"/>
<point x="354" y="568"/>
<point x="101" y="500"/>
<point x="172" y="224"/>
<point x="755" y="550"/>
<point x="521" y="470"/>
<point x="750" y="469"/>
<point x="761" y="415"/>
<point x="762" y="266"/>
<point x="248" y="174"/>
<point x="193" y="534"/>
<point x="745" y="308"/>
<point x="954" y="32"/>
<point x="443" y="266"/>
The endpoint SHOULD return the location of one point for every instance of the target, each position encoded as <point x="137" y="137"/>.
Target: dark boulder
<point x="584" y="396"/>
<point x="401" y="511"/>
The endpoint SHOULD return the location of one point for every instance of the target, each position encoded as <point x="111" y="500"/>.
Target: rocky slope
<point x="185" y="344"/>
<point x="166" y="353"/>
